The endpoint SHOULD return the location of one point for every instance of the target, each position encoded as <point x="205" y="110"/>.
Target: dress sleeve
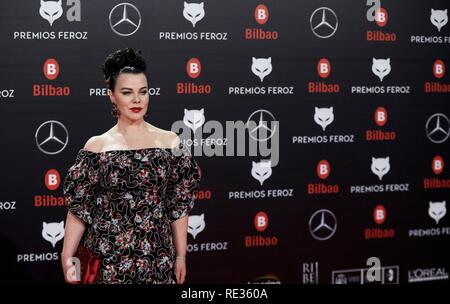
<point x="184" y="181"/>
<point x="81" y="186"/>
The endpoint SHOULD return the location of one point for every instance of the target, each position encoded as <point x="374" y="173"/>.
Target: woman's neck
<point x="127" y="127"/>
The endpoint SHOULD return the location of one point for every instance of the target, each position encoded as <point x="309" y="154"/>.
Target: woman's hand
<point x="69" y="271"/>
<point x="180" y="269"/>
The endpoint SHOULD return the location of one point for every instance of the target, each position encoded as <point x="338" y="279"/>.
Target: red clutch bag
<point x="90" y="264"/>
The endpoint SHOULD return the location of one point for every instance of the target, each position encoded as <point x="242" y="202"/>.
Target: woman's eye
<point x="126" y="93"/>
<point x="144" y="93"/>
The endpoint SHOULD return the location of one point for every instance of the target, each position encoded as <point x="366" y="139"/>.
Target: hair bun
<point x="122" y="58"/>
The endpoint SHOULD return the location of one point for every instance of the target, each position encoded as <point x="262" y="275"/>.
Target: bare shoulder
<point x="169" y="139"/>
<point x="95" y="143"/>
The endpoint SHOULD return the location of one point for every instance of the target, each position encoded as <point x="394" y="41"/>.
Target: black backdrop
<point x="293" y="255"/>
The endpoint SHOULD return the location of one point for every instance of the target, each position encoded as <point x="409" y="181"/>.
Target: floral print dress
<point x="128" y="198"/>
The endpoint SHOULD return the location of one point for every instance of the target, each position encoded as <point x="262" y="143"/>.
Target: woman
<point x="129" y="190"/>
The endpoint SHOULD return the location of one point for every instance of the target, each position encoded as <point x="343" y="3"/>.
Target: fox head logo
<point x="261" y="67"/>
<point x="323" y="116"/>
<point x="50" y="10"/>
<point x="381" y="67"/>
<point x="437" y="210"/>
<point x="261" y="170"/>
<point x="53" y="232"/>
<point x="193" y="12"/>
<point x="439" y="18"/>
<point x="194" y="119"/>
<point x="196" y="224"/>
<point x="380" y="166"/>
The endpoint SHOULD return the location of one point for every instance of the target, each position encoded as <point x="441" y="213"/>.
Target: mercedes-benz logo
<point x="322" y="224"/>
<point x="258" y="125"/>
<point x="437" y="128"/>
<point x="324" y="22"/>
<point x="124" y="19"/>
<point x="51" y="137"/>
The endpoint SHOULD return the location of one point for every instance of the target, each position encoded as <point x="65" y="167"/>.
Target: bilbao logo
<point x="193" y="71"/>
<point x="52" y="179"/>
<point x="51" y="70"/>
<point x="261" y="14"/>
<point x="323" y="68"/>
<point x="379" y="16"/>
<point x="261" y="221"/>
<point x="379" y="214"/>
<point x="323" y="169"/>
<point x="439" y="69"/>
<point x="193" y="68"/>
<point x="380" y="117"/>
<point x="439" y="74"/>
<point x="376" y="13"/>
<point x="437" y="164"/>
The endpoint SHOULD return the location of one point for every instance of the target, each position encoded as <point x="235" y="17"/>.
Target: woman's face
<point x="130" y="95"/>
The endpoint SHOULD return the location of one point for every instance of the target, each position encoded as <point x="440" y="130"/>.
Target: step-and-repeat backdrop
<point x="321" y="128"/>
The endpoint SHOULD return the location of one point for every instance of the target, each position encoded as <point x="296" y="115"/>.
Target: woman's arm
<point x="179" y="231"/>
<point x="72" y="235"/>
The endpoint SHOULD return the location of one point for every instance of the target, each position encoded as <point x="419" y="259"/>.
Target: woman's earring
<point x="114" y="111"/>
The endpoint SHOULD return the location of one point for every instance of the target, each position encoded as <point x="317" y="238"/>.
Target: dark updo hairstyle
<point x="122" y="61"/>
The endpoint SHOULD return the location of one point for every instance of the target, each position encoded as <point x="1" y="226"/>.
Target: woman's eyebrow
<point x="125" y="88"/>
